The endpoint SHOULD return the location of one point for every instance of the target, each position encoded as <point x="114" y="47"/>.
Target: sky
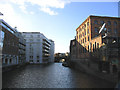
<point x="56" y="19"/>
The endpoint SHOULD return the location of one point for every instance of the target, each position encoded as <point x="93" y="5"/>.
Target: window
<point x="93" y="47"/>
<point x="38" y="39"/>
<point x="109" y="23"/>
<point x="38" y="36"/>
<point x="109" y="30"/>
<point x="88" y="48"/>
<point x="85" y="32"/>
<point x="97" y="45"/>
<point x="115" y="23"/>
<point x="88" y="31"/>
<point x="31" y="60"/>
<point x="31" y="40"/>
<point x="102" y="22"/>
<point x="6" y="60"/>
<point x="31" y="36"/>
<point x="77" y="32"/>
<point x="115" y="31"/>
<point x="6" y="27"/>
<point x="95" y="22"/>
<point x="88" y="38"/>
<point x="37" y="60"/>
<point x="96" y="29"/>
<point x="85" y="39"/>
<point x="87" y="23"/>
<point x="96" y="35"/>
<point x="73" y="43"/>
<point x="31" y="57"/>
<point x="1" y="39"/>
<point x="37" y="57"/>
<point x="10" y="61"/>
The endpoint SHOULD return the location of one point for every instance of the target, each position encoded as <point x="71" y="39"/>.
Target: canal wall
<point x="92" y="69"/>
<point x="11" y="67"/>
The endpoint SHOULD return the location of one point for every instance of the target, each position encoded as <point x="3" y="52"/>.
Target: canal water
<point x="51" y="76"/>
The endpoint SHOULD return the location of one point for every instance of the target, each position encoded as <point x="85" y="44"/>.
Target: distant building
<point x="9" y="45"/>
<point x="73" y="49"/>
<point x="39" y="49"/>
<point x="22" y="48"/>
<point x="60" y="57"/>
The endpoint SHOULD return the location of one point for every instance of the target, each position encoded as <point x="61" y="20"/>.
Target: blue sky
<point x="57" y="20"/>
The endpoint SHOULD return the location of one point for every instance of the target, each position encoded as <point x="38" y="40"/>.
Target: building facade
<point x="39" y="49"/>
<point x="73" y="49"/>
<point x="22" y="48"/>
<point x="9" y="45"/>
<point x="88" y="37"/>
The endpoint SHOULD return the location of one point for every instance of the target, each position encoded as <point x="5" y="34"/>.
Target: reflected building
<point x="39" y="49"/>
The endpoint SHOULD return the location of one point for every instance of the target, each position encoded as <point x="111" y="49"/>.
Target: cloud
<point x="23" y="8"/>
<point x="44" y="5"/>
<point x="49" y="11"/>
<point x="32" y="12"/>
<point x="10" y="16"/>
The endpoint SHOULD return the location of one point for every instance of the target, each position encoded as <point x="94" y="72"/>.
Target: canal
<point x="51" y="76"/>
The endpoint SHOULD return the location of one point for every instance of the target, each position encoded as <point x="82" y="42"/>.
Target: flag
<point x="102" y="28"/>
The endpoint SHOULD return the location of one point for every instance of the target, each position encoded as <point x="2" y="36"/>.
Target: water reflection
<point x="51" y="76"/>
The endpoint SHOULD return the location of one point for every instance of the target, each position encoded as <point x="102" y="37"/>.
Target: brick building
<point x="9" y="45"/>
<point x="88" y="37"/>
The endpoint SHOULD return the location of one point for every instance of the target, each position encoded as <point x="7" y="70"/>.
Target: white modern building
<point x="39" y="49"/>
